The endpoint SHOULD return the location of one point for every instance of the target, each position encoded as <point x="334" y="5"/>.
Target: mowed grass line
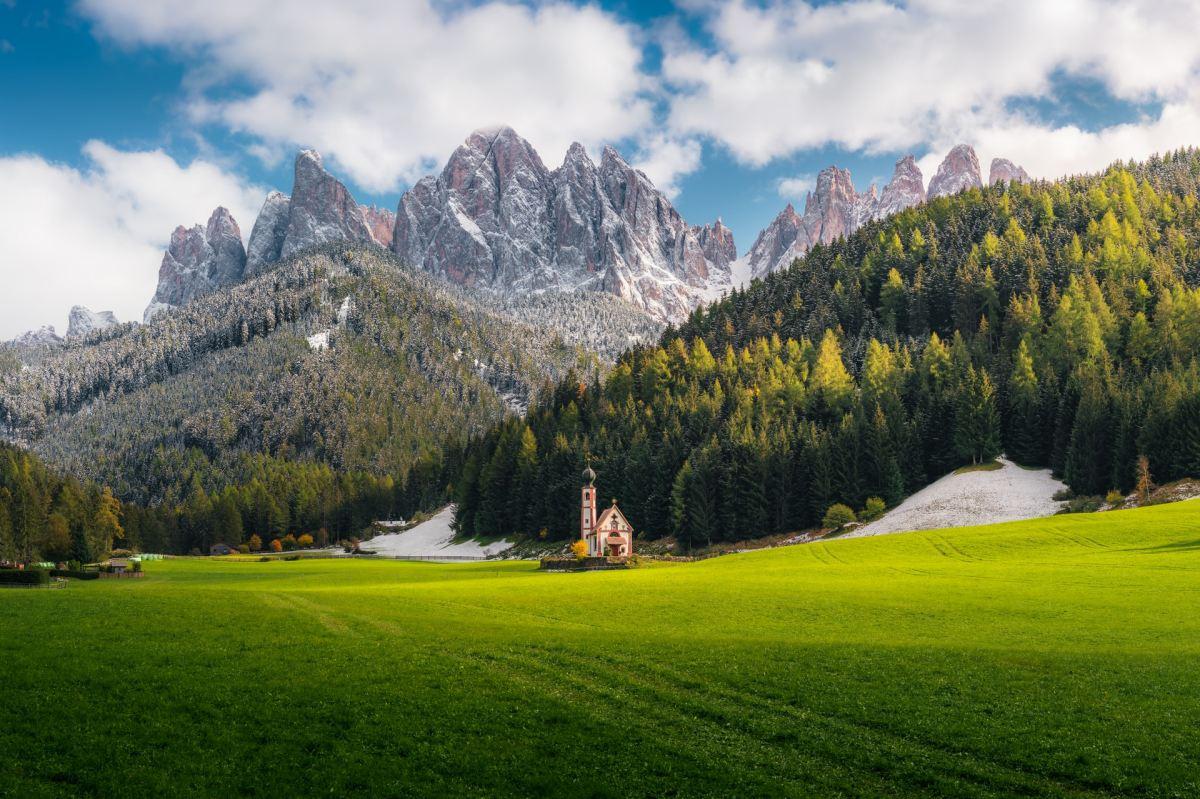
<point x="1055" y="657"/>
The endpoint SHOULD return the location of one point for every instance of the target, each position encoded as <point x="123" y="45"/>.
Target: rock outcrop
<point x="84" y="321"/>
<point x="382" y="224"/>
<point x="498" y="219"/>
<point x="266" y="238"/>
<point x="199" y="260"/>
<point x="958" y="171"/>
<point x="321" y="209"/>
<point x="1004" y="171"/>
<point x="831" y="211"/>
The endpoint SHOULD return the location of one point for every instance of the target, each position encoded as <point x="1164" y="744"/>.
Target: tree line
<point x="1056" y="322"/>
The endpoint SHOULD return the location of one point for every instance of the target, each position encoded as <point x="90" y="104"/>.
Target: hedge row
<point x="24" y="577"/>
<point x="77" y="574"/>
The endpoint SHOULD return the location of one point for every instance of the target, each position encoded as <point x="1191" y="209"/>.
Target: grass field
<point x="1056" y="657"/>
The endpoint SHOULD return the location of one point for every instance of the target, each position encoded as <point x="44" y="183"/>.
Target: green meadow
<point x="1056" y="657"/>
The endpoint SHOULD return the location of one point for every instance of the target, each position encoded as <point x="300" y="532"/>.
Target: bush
<point x="24" y="577"/>
<point x="1063" y="494"/>
<point x="75" y="574"/>
<point x="1083" y="505"/>
<point x="255" y="543"/>
<point x="305" y="541"/>
<point x="838" y="515"/>
<point x="1114" y="497"/>
<point x="579" y="549"/>
<point x="243" y="549"/>
<point x="289" y="542"/>
<point x="137" y="566"/>
<point x="874" y="509"/>
<point x="291" y="557"/>
<point x="276" y="545"/>
<point x="264" y="559"/>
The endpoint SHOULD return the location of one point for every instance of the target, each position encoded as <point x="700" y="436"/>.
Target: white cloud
<point x="871" y="76"/>
<point x="386" y="90"/>
<point x="667" y="160"/>
<point x="6" y="46"/>
<point x="94" y="236"/>
<point x="795" y="188"/>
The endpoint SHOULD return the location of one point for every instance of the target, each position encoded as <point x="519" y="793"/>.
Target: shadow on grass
<point x="1162" y="549"/>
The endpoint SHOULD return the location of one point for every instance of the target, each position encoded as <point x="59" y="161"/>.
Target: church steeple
<point x="587" y="521"/>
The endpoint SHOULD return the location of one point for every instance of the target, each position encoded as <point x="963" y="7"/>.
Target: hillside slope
<point x="1007" y="494"/>
<point x="340" y="355"/>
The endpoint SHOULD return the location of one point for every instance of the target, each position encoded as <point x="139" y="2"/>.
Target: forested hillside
<point x="312" y="399"/>
<point x="1059" y="323"/>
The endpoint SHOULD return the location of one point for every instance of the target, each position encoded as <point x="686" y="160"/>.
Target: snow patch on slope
<point x="1008" y="494"/>
<point x="432" y="538"/>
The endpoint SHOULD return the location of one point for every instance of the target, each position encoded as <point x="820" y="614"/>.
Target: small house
<point x="118" y="565"/>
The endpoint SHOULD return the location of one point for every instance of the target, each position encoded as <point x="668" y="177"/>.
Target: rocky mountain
<point x="198" y="261"/>
<point x="84" y="321"/>
<point x="958" y="171"/>
<point x="498" y="219"/>
<point x="266" y="238"/>
<point x="44" y="336"/>
<point x="382" y="224"/>
<point x="1004" y="171"/>
<point x="834" y="209"/>
<point x="831" y="211"/>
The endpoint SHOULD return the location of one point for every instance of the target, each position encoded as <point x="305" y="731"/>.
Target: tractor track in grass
<point x="656" y="683"/>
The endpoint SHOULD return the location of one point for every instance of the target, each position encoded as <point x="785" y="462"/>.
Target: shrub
<point x="75" y="574"/>
<point x="137" y="566"/>
<point x="305" y="541"/>
<point x="255" y="543"/>
<point x="1063" y="494"/>
<point x="1114" y="497"/>
<point x="1083" y="505"/>
<point x="579" y="549"/>
<point x="289" y="542"/>
<point x="874" y="509"/>
<point x="291" y="557"/>
<point x="276" y="545"/>
<point x="838" y="515"/>
<point x="24" y="577"/>
<point x="264" y="559"/>
<point x="244" y="549"/>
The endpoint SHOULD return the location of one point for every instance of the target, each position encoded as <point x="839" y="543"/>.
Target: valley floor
<point x="1052" y="657"/>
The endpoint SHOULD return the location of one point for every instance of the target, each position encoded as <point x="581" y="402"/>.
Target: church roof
<point x="608" y="513"/>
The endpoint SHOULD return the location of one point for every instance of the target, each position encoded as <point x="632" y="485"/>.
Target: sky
<point x="120" y="119"/>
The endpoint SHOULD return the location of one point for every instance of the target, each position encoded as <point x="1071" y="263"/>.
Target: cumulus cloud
<point x="875" y="77"/>
<point x="666" y="160"/>
<point x="94" y="236"/>
<point x="386" y="90"/>
<point x="795" y="188"/>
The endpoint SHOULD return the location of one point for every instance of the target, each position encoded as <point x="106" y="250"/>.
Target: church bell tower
<point x="588" y="504"/>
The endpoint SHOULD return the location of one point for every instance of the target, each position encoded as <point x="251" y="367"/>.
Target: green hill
<point x="1054" y="657"/>
<point x="1055" y="322"/>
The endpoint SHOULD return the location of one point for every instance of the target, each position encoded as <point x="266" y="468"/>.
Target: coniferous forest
<point x="1056" y="322"/>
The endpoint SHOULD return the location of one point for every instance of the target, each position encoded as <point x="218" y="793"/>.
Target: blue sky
<point x="128" y="118"/>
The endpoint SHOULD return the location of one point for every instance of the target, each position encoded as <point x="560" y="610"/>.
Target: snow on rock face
<point x="497" y="218"/>
<point x="84" y="321"/>
<point x="270" y="229"/>
<point x="44" y="336"/>
<point x="200" y="260"/>
<point x="1004" y="171"/>
<point x="831" y="211"/>
<point x="321" y="209"/>
<point x="906" y="189"/>
<point x="957" y="172"/>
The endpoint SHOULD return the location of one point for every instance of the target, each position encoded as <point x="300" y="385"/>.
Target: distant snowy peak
<point x="1004" y="171"/>
<point x="266" y="238"/>
<point x="831" y="211"/>
<point x="958" y="171"/>
<point x="498" y="219"/>
<point x="84" y="321"/>
<point x="834" y="209"/>
<point x="44" y="336"/>
<point x="199" y="260"/>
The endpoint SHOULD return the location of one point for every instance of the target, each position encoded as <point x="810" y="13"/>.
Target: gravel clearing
<point x="430" y="539"/>
<point x="959" y="500"/>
